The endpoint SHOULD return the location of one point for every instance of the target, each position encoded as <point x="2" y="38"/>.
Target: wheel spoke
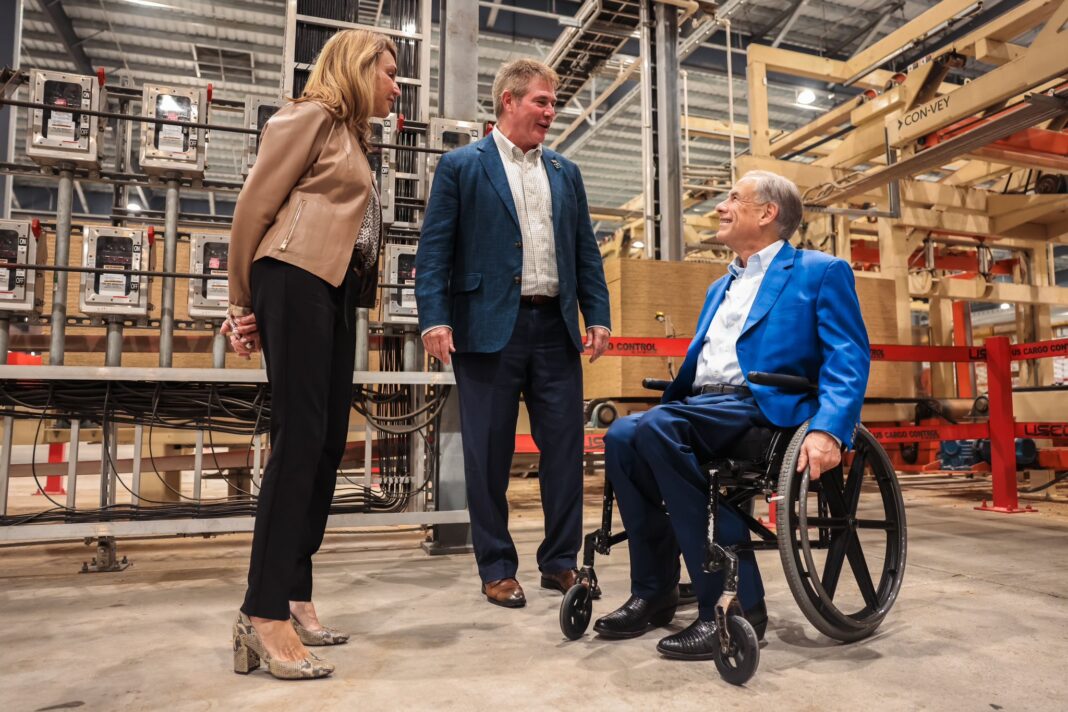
<point x="859" y="564"/>
<point x="853" y="483"/>
<point x="832" y="493"/>
<point x="877" y="524"/>
<point x="832" y="568"/>
<point x="827" y="523"/>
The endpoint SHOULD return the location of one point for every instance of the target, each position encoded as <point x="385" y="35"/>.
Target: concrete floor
<point x="981" y="624"/>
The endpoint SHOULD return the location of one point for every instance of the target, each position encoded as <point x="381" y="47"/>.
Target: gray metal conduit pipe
<point x="64" y="203"/>
<point x="218" y="350"/>
<point x="5" y="334"/>
<point x="170" y="258"/>
<point x="363" y="340"/>
<point x="113" y="353"/>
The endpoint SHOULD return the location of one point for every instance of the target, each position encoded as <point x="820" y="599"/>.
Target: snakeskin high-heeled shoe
<point x="323" y="636"/>
<point x="249" y="652"/>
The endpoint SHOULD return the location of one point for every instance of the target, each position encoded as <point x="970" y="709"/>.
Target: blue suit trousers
<point x="540" y="364"/>
<point x="653" y="461"/>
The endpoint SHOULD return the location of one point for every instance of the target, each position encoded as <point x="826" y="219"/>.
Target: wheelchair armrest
<point x="655" y="384"/>
<point x="781" y="380"/>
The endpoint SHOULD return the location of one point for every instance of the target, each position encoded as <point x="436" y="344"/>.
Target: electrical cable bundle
<point x="230" y="408"/>
<point x="366" y="399"/>
<point x="237" y="408"/>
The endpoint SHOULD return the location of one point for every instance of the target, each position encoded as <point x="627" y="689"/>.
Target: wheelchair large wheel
<point x="827" y="524"/>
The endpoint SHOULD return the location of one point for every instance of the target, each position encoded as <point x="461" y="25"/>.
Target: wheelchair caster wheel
<point x="740" y="662"/>
<point x="576" y="611"/>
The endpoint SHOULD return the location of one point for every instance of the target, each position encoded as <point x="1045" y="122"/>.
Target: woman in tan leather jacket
<point x="304" y="248"/>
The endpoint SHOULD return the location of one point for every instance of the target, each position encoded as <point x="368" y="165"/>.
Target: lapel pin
<point x="556" y="163"/>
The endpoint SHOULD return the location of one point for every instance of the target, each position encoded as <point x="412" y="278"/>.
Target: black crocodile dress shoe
<point x="638" y="615"/>
<point x="697" y="641"/>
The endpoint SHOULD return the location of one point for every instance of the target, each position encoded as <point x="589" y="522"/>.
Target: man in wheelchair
<point x="778" y="310"/>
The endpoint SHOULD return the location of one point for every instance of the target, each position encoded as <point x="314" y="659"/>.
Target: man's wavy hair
<point x="774" y="188"/>
<point x="516" y="76"/>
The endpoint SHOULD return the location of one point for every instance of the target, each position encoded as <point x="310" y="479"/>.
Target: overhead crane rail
<point x="604" y="26"/>
<point x="1030" y="112"/>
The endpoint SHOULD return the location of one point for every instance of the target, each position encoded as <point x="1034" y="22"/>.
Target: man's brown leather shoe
<point x="561" y="581"/>
<point x="505" y="592"/>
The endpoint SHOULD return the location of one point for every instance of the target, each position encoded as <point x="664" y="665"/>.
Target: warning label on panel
<point x="218" y="288"/>
<point x="171" y="138"/>
<point x="112" y="285"/>
<point x="61" y="126"/>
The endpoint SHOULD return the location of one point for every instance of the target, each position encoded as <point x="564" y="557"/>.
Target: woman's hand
<point x="244" y="334"/>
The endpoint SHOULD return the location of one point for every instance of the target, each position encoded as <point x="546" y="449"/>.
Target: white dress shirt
<point x="533" y="200"/>
<point x="718" y="362"/>
<point x="534" y="208"/>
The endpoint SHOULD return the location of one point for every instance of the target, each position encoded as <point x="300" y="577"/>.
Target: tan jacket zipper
<point x="289" y="236"/>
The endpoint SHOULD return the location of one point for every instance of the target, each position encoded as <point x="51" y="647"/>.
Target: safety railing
<point x="1001" y="428"/>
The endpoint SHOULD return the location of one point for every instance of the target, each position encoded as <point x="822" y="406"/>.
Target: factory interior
<point x="929" y="143"/>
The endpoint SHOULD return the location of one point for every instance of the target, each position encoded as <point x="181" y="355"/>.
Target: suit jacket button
<point x="518" y="279"/>
<point x="519" y="244"/>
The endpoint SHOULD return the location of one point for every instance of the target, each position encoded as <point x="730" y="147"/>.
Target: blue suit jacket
<point x="805" y="321"/>
<point x="469" y="262"/>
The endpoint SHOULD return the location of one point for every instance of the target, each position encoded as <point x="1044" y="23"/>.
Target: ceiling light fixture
<point x="806" y="96"/>
<point x="149" y="3"/>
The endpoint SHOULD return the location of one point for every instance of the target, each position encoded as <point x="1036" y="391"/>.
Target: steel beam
<point x="201" y="375"/>
<point x="869" y="30"/>
<point x="686" y="47"/>
<point x="668" y="134"/>
<point x="62" y="24"/>
<point x="222" y="525"/>
<point x="795" y="12"/>
<point x="458" y="82"/>
<point x="10" y="45"/>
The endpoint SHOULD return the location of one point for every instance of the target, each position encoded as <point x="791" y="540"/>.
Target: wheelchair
<point x="852" y="514"/>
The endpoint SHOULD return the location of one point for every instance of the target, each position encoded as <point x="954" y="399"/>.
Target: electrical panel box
<point x="399" y="304"/>
<point x="257" y="113"/>
<point x="62" y="134"/>
<point x="384" y="165"/>
<point x="447" y="134"/>
<point x="21" y="289"/>
<point x="171" y="148"/>
<point x="113" y="292"/>
<point x="209" y="298"/>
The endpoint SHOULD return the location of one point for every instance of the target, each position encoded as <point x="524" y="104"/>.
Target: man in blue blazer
<point x="777" y="310"/>
<point x="506" y="260"/>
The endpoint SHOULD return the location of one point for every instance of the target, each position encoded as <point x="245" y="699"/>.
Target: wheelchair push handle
<point x="655" y="384"/>
<point x="781" y="380"/>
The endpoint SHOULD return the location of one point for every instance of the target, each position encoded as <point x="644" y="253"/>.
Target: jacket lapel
<point x="491" y="163"/>
<point x="554" y="170"/>
<point x="771" y="287"/>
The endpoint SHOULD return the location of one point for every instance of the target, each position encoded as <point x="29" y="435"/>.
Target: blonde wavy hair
<point x="343" y="78"/>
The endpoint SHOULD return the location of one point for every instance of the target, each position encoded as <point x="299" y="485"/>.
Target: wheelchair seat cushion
<point x="751" y="447"/>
